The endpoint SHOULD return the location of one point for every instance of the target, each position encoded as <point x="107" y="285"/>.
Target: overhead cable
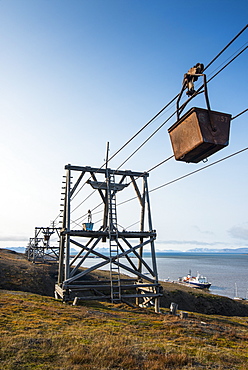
<point x="208" y="65"/>
<point x="198" y="170"/>
<point x="159" y="164"/>
<point x="167" y="105"/>
<point x="217" y="56"/>
<point x="228" y="63"/>
<point x="212" y="61"/>
<point x="153" y="118"/>
<point x="188" y="174"/>
<point x="188" y="100"/>
<point x="181" y="177"/>
<point x="239" y="114"/>
<point x="165" y="160"/>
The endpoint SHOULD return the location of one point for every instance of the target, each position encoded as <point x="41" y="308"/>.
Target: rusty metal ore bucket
<point x="193" y="137"/>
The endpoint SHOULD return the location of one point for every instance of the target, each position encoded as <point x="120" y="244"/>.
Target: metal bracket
<point x="188" y="82"/>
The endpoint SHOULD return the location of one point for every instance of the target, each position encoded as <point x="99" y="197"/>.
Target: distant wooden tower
<point x="39" y="248"/>
<point x="125" y="252"/>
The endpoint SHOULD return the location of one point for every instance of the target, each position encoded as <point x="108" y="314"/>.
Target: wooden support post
<point x="68" y="225"/>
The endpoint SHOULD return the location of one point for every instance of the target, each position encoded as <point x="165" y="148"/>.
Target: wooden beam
<point x="89" y="250"/>
<point x="103" y="170"/>
<point x="77" y="182"/>
<point x="136" y="189"/>
<point x="121" y="234"/>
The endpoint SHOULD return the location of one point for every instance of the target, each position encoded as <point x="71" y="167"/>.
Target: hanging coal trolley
<point x="47" y="232"/>
<point x="200" y="132"/>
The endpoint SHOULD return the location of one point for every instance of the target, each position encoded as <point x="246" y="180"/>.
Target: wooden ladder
<point x="115" y="282"/>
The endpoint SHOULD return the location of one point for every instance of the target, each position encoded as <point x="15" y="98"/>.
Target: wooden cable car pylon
<point x="125" y="253"/>
<point x="39" y="248"/>
<point x="200" y="132"/>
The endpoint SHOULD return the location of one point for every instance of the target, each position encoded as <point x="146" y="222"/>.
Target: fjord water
<point x="224" y="271"/>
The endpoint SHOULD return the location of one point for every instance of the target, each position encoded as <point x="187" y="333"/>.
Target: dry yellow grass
<point x="39" y="332"/>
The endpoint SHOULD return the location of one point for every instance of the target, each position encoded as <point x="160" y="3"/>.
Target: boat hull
<point x="196" y="285"/>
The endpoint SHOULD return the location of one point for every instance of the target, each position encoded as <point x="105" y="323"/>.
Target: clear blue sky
<point x="76" y="74"/>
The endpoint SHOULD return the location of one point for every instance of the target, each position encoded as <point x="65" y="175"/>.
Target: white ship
<point x="198" y="281"/>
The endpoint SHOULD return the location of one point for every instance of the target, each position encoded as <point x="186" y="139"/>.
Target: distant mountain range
<point x="225" y="250"/>
<point x="16" y="249"/>
<point x="194" y="250"/>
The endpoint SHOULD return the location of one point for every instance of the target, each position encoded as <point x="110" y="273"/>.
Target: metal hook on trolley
<point x="191" y="76"/>
<point x="188" y="83"/>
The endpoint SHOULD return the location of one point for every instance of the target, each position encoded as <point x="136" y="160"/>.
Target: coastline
<point x="19" y="274"/>
<point x="223" y="270"/>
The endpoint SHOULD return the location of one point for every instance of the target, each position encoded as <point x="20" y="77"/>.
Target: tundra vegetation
<point x="39" y="332"/>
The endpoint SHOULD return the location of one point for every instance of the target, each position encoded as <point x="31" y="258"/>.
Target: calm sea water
<point x="222" y="270"/>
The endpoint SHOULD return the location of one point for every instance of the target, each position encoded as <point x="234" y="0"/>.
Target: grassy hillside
<point x="16" y="273"/>
<point x="38" y="332"/>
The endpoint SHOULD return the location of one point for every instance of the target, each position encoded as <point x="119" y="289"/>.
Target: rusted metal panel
<point x="193" y="137"/>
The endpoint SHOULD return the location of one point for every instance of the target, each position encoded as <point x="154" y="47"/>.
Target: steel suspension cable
<point x="163" y="123"/>
<point x="142" y="128"/>
<point x="190" y="173"/>
<point x="198" y="170"/>
<point x="159" y="164"/>
<point x="210" y="63"/>
<point x="245" y="110"/>
<point x="168" y="104"/>
<point x="181" y="177"/>
<point x="217" y="56"/>
<point x="172" y="100"/>
<point x="199" y="89"/>
<point x="227" y="64"/>
<point x="228" y="58"/>
<point x="137" y="133"/>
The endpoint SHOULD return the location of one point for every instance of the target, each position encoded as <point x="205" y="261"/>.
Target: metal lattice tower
<point x="126" y="248"/>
